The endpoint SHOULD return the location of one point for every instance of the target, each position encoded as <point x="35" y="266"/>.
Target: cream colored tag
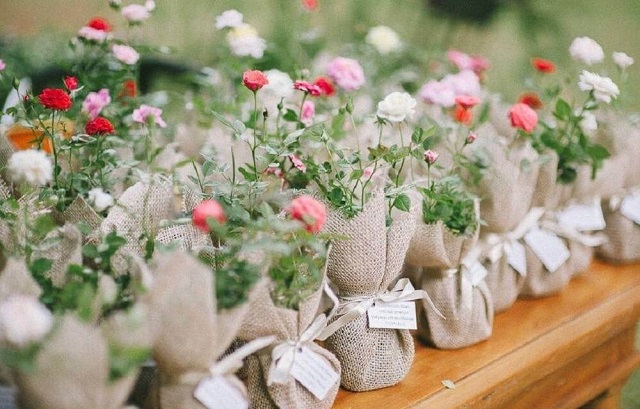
<point x="630" y="207"/>
<point x="548" y="247"/>
<point x="217" y="393"/>
<point x="582" y="217"/>
<point x="314" y="373"/>
<point x="395" y="315"/>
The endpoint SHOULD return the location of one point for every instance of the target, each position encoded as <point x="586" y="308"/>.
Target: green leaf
<point x="402" y="202"/>
<point x="598" y="152"/>
<point x="563" y="110"/>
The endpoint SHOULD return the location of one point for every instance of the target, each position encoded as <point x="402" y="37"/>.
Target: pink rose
<point x="467" y="101"/>
<point x="464" y="83"/>
<point x="523" y="116"/>
<point x="95" y="102"/>
<point x="466" y="62"/>
<point x="368" y="172"/>
<point x="298" y="163"/>
<point x="311" y="89"/>
<point x="346" y="73"/>
<point x="142" y="114"/>
<point x="92" y="34"/>
<point x="135" y="13"/>
<point x="125" y="54"/>
<point x="207" y="209"/>
<point x="2" y="65"/>
<point x="471" y="138"/>
<point x="438" y="93"/>
<point x="309" y="211"/>
<point x="431" y="157"/>
<point x="254" y="80"/>
<point x="308" y="112"/>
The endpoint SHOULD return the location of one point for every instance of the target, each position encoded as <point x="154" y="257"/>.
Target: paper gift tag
<point x="548" y="247"/>
<point x="582" y="217"/>
<point x="517" y="258"/>
<point x="217" y="393"/>
<point x="395" y="315"/>
<point x="314" y="372"/>
<point x="630" y="207"/>
<point x="475" y="273"/>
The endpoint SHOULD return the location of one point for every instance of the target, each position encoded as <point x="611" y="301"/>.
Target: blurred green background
<point x="508" y="32"/>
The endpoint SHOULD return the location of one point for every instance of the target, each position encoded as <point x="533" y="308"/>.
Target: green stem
<point x="255" y="136"/>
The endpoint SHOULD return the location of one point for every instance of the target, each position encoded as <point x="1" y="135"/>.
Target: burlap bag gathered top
<point x="363" y="264"/>
<point x="190" y="334"/>
<point x="464" y="314"/>
<point x="506" y="192"/>
<point x="270" y="375"/>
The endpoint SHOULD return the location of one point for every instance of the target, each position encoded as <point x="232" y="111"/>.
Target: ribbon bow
<point x="355" y="306"/>
<point x="499" y="245"/>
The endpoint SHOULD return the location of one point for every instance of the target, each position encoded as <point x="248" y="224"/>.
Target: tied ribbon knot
<point x="353" y="307"/>
<point x="470" y="278"/>
<point x="499" y="245"/>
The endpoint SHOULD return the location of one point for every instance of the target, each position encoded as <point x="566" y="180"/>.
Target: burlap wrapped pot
<point x="623" y="234"/>
<point x="363" y="265"/>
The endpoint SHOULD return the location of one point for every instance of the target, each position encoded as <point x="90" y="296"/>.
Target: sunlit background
<point x="34" y="35"/>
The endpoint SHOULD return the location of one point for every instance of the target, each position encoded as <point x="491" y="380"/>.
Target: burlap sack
<point x="264" y="318"/>
<point x="65" y="248"/>
<point x="623" y="245"/>
<point x="6" y="150"/>
<point x="437" y="254"/>
<point x="185" y="349"/>
<point x="72" y="371"/>
<point x="137" y="216"/>
<point x="365" y="263"/>
<point x="79" y="211"/>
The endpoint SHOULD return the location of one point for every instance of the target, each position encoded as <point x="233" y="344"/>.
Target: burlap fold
<point x="190" y="334"/>
<point x="65" y="249"/>
<point x="436" y="256"/>
<point x="364" y="264"/>
<point x="264" y="318"/>
<point x="623" y="245"/>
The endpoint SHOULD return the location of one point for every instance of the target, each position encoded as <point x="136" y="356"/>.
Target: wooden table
<point x="562" y="351"/>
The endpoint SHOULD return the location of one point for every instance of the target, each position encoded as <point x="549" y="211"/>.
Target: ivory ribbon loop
<point x="231" y="363"/>
<point x="283" y="355"/>
<point x="498" y="245"/>
<point x="589" y="240"/>
<point x="355" y="306"/>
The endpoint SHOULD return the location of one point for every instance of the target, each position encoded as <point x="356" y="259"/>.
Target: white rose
<point x="280" y="84"/>
<point x="135" y="13"/>
<point x="396" y="106"/>
<point x="108" y="289"/>
<point x="603" y="88"/>
<point x="622" y="60"/>
<point x="588" y="123"/>
<point x="150" y="5"/>
<point x="23" y="320"/>
<point x="229" y="18"/>
<point x="586" y="50"/>
<point x="383" y="39"/>
<point x="125" y="54"/>
<point x="244" y="40"/>
<point x="30" y="166"/>
<point x="100" y="200"/>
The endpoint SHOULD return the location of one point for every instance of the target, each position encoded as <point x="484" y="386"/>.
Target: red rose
<point x="128" y="89"/>
<point x="99" y="126"/>
<point x="254" y="79"/>
<point x="544" y="66"/>
<point x="309" y="211"/>
<point x="307" y="87"/>
<point x="208" y="209"/>
<point x="98" y="23"/>
<point x="325" y="86"/>
<point x="71" y="83"/>
<point x="462" y="115"/>
<point x="55" y="98"/>
<point x="310" y="4"/>
<point x="532" y="99"/>
<point x="523" y="116"/>
<point x="467" y="101"/>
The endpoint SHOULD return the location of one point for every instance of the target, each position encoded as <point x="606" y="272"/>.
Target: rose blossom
<point x="99" y="199"/>
<point x="383" y="39"/>
<point x="471" y="138"/>
<point x="467" y="101"/>
<point x="603" y="88"/>
<point x="523" y="116"/>
<point x="145" y="112"/>
<point x="310" y="4"/>
<point x="307" y="87"/>
<point x="99" y="126"/>
<point x="308" y="112"/>
<point x="95" y="102"/>
<point x="230" y="18"/>
<point x="92" y="34"/>
<point x="254" y="80"/>
<point x="346" y="73"/>
<point x="466" y="62"/>
<point x="368" y="172"/>
<point x="23" y="320"/>
<point x="30" y="166"/>
<point x="325" y="86"/>
<point x="462" y="115"/>
<point x="431" y="156"/>
<point x="125" y="54"/>
<point x="396" y="106"/>
<point x="438" y="93"/>
<point x="207" y="209"/>
<point x="280" y="84"/>
<point x="586" y="50"/>
<point x="55" y="98"/>
<point x="2" y="65"/>
<point x="150" y="5"/>
<point x="298" y="163"/>
<point x="135" y="13"/>
<point x="309" y="211"/>
<point x="244" y="41"/>
<point x="99" y="23"/>
<point x="463" y="83"/>
<point x="622" y="60"/>
<point x="588" y="123"/>
<point x="543" y="66"/>
<point x="71" y="83"/>
<point x="532" y="99"/>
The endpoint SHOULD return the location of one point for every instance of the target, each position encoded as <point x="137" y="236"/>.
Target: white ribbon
<point x="283" y="355"/>
<point x="589" y="240"/>
<point x="354" y="307"/>
<point x="499" y="245"/>
<point x="231" y="363"/>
